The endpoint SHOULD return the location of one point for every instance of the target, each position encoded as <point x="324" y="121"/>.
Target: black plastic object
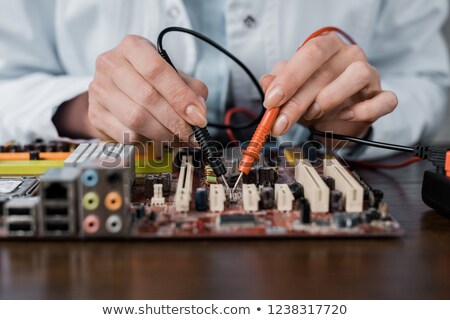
<point x="436" y="192"/>
<point x="201" y="199"/>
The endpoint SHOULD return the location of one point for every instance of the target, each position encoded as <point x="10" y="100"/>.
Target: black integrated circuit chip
<point x="237" y="220"/>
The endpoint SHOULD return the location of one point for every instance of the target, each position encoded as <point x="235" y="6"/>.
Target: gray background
<point x="444" y="133"/>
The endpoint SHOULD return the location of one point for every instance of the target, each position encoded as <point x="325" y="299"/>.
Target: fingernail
<point x="346" y="115"/>
<point x="274" y="97"/>
<point x="313" y="112"/>
<point x="280" y="125"/>
<point x="192" y="139"/>
<point x="196" y="115"/>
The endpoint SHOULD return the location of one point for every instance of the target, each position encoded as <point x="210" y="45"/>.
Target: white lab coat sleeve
<point x="32" y="80"/>
<point x="409" y="51"/>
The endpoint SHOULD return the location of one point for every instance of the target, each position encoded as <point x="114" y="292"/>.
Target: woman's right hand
<point x="137" y="96"/>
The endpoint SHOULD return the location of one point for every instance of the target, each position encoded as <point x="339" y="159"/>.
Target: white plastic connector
<point x="283" y="197"/>
<point x="352" y="191"/>
<point x="158" y="198"/>
<point x="184" y="187"/>
<point x="217" y="197"/>
<point x="250" y="197"/>
<point x="316" y="191"/>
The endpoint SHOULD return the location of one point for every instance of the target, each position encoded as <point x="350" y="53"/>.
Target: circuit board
<point x="89" y="199"/>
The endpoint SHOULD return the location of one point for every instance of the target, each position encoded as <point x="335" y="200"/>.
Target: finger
<point x="295" y="108"/>
<point x="300" y="68"/>
<point x="155" y="70"/>
<point x="279" y="67"/>
<point x="198" y="86"/>
<point x="130" y="114"/>
<point x="110" y="127"/>
<point x="125" y="79"/>
<point x="265" y="81"/>
<point x="372" y="109"/>
<point x="357" y="77"/>
<point x="303" y="100"/>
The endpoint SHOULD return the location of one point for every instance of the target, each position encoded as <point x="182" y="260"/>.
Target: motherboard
<point x="100" y="191"/>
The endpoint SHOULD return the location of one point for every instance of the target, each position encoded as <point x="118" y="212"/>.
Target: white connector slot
<point x="352" y="191"/>
<point x="283" y="197"/>
<point x="250" y="197"/>
<point x="316" y="191"/>
<point x="158" y="198"/>
<point x="217" y="198"/>
<point x="184" y="187"/>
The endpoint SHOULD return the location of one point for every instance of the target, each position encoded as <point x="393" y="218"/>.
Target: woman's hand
<point x="329" y="85"/>
<point x="136" y="92"/>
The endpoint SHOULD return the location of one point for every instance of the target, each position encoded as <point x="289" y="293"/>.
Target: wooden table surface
<point x="416" y="266"/>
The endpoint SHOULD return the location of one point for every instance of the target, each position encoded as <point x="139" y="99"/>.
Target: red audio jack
<point x="265" y="126"/>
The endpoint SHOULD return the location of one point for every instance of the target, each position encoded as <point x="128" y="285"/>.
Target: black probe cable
<point x="366" y="142"/>
<point x="214" y="44"/>
<point x="201" y="134"/>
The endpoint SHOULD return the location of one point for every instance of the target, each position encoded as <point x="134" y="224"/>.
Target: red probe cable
<point x="265" y="126"/>
<point x="228" y="116"/>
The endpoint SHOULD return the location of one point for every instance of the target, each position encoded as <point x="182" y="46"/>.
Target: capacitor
<point x="28" y="147"/>
<point x="34" y="155"/>
<point x="40" y="146"/>
<point x="201" y="199"/>
<point x="266" y="198"/>
<point x="372" y="214"/>
<point x="15" y="148"/>
<point x="165" y="179"/>
<point x="267" y="176"/>
<point x="51" y="146"/>
<point x="140" y="211"/>
<point x="251" y="177"/>
<point x="329" y="181"/>
<point x="305" y="211"/>
<point x="297" y="190"/>
<point x="377" y="198"/>
<point x="336" y="201"/>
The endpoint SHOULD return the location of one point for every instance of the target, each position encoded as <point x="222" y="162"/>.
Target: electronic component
<point x="14" y="187"/>
<point x="158" y="198"/>
<point x="104" y="195"/>
<point x="201" y="199"/>
<point x="267" y="176"/>
<point x="59" y="190"/>
<point x="316" y="191"/>
<point x="210" y="176"/>
<point x="237" y="220"/>
<point x="329" y="181"/>
<point x="106" y="155"/>
<point x="20" y="216"/>
<point x="165" y="179"/>
<point x="184" y="187"/>
<point x="283" y="197"/>
<point x="336" y="202"/>
<point x="305" y="211"/>
<point x="352" y="191"/>
<point x="297" y="190"/>
<point x="251" y="177"/>
<point x="266" y="198"/>
<point x="250" y="197"/>
<point x="217" y="198"/>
